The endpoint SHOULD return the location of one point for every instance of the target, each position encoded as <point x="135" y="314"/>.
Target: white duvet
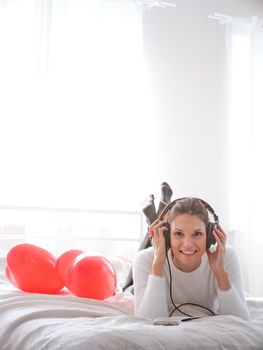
<point x="50" y="322"/>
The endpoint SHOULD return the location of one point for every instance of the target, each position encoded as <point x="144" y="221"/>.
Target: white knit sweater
<point x="152" y="293"/>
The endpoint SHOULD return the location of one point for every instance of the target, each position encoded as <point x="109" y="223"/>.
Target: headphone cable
<point x="171" y="298"/>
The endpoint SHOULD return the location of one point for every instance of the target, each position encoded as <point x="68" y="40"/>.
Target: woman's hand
<point x="156" y="230"/>
<point x="216" y="259"/>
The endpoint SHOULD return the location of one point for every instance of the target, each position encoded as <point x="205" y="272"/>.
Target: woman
<point x="189" y="272"/>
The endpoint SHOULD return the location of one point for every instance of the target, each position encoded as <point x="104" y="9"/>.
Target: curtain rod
<point x="231" y="19"/>
<point x="150" y="3"/>
<point x="155" y="3"/>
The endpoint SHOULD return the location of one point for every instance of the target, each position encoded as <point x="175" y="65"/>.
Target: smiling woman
<point x="209" y="281"/>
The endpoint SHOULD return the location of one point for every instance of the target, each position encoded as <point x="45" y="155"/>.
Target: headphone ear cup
<point x="210" y="238"/>
<point x="167" y="236"/>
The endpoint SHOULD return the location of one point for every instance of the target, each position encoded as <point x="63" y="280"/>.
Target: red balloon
<point x="10" y="277"/>
<point x="32" y="269"/>
<point x="91" y="277"/>
<point x="64" y="261"/>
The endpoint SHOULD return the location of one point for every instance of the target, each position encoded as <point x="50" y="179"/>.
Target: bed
<point x="64" y="321"/>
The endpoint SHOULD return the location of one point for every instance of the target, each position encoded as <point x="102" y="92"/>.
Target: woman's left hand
<point x="216" y="259"/>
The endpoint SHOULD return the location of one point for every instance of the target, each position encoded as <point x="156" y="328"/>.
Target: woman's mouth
<point x="188" y="252"/>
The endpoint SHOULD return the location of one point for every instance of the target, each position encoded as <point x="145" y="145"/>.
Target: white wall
<point x="186" y="54"/>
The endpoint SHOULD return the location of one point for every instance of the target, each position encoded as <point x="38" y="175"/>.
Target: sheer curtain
<point x="75" y="108"/>
<point x="245" y="49"/>
<point x="75" y="103"/>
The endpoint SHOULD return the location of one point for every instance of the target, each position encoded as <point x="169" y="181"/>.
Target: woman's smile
<point x="188" y="252"/>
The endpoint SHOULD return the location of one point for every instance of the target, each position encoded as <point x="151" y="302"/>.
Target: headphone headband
<point x="171" y="204"/>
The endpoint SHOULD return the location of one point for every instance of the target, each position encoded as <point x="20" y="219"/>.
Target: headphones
<point x="210" y="238"/>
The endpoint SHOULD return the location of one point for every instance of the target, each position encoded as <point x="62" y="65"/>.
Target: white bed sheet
<point x="51" y="322"/>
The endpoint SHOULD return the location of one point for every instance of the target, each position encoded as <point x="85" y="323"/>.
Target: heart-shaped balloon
<point x="32" y="269"/>
<point x="91" y="277"/>
<point x="64" y="262"/>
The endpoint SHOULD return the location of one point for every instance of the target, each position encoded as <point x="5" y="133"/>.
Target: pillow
<point x="122" y="266"/>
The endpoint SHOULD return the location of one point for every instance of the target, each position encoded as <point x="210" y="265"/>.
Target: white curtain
<point x="245" y="54"/>
<point x="75" y="120"/>
<point x="75" y="104"/>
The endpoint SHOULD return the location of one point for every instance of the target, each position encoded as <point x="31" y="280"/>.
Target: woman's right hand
<point x="157" y="229"/>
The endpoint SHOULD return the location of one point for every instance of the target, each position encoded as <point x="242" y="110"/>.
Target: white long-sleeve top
<point x="152" y="293"/>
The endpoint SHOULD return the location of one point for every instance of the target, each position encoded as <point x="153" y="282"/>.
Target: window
<point x="73" y="122"/>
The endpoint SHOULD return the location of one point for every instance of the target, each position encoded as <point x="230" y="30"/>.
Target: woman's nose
<point x="188" y="241"/>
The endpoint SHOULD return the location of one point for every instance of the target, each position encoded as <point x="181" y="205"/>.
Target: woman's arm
<point x="232" y="300"/>
<point x="149" y="283"/>
<point x="224" y="264"/>
<point x="149" y="289"/>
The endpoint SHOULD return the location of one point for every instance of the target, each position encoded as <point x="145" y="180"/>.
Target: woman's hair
<point x="192" y="206"/>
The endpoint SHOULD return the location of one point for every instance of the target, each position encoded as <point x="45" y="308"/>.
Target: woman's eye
<point x="178" y="233"/>
<point x="198" y="233"/>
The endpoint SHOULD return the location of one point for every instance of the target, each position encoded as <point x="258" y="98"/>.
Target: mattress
<point x="64" y="321"/>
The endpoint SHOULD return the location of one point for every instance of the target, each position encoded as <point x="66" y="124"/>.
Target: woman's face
<point x="188" y="241"/>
